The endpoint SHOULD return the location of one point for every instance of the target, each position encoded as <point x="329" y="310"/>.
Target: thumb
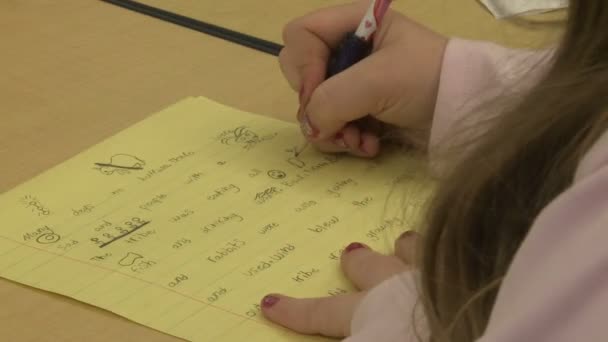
<point x="311" y="76"/>
<point x="345" y="97"/>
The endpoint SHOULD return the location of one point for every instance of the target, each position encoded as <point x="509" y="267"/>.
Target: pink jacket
<point x="557" y="286"/>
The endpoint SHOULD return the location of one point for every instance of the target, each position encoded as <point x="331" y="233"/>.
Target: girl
<point x="515" y="245"/>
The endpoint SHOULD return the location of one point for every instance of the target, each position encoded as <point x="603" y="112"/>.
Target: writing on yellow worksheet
<point x="184" y="221"/>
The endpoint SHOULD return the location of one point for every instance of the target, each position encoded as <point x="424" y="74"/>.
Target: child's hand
<point x="397" y="84"/>
<point x="331" y="316"/>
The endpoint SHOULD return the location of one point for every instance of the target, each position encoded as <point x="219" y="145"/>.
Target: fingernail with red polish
<point x="339" y="140"/>
<point x="408" y="235"/>
<point x="353" y="246"/>
<point x="269" y="301"/>
<point x="307" y="126"/>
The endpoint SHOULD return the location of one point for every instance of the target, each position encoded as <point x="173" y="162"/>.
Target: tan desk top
<point x="463" y="18"/>
<point x="74" y="72"/>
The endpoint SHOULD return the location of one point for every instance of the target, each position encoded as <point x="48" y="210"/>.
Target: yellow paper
<point x="184" y="221"/>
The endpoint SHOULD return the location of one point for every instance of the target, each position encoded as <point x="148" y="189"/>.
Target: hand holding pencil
<point x="345" y="107"/>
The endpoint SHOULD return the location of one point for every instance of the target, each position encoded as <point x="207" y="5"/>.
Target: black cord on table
<point x="200" y="26"/>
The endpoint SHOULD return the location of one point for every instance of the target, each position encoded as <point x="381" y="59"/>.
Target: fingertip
<point x="328" y="316"/>
<point x="351" y="137"/>
<point x="405" y="246"/>
<point x="369" y="144"/>
<point x="366" y="268"/>
<point x="339" y="141"/>
<point x="287" y="312"/>
<point x="360" y="143"/>
<point x="277" y="306"/>
<point x="409" y="235"/>
<point x="272" y="307"/>
<point x="269" y="301"/>
<point x="354" y="249"/>
<point x="354" y="246"/>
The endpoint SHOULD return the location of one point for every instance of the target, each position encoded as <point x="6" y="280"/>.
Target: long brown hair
<point x="485" y="206"/>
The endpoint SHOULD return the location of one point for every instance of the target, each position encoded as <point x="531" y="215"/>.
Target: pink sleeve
<point x="475" y="77"/>
<point x="389" y="312"/>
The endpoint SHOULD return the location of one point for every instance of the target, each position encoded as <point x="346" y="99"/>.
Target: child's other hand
<point x="397" y="84"/>
<point x="331" y="316"/>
